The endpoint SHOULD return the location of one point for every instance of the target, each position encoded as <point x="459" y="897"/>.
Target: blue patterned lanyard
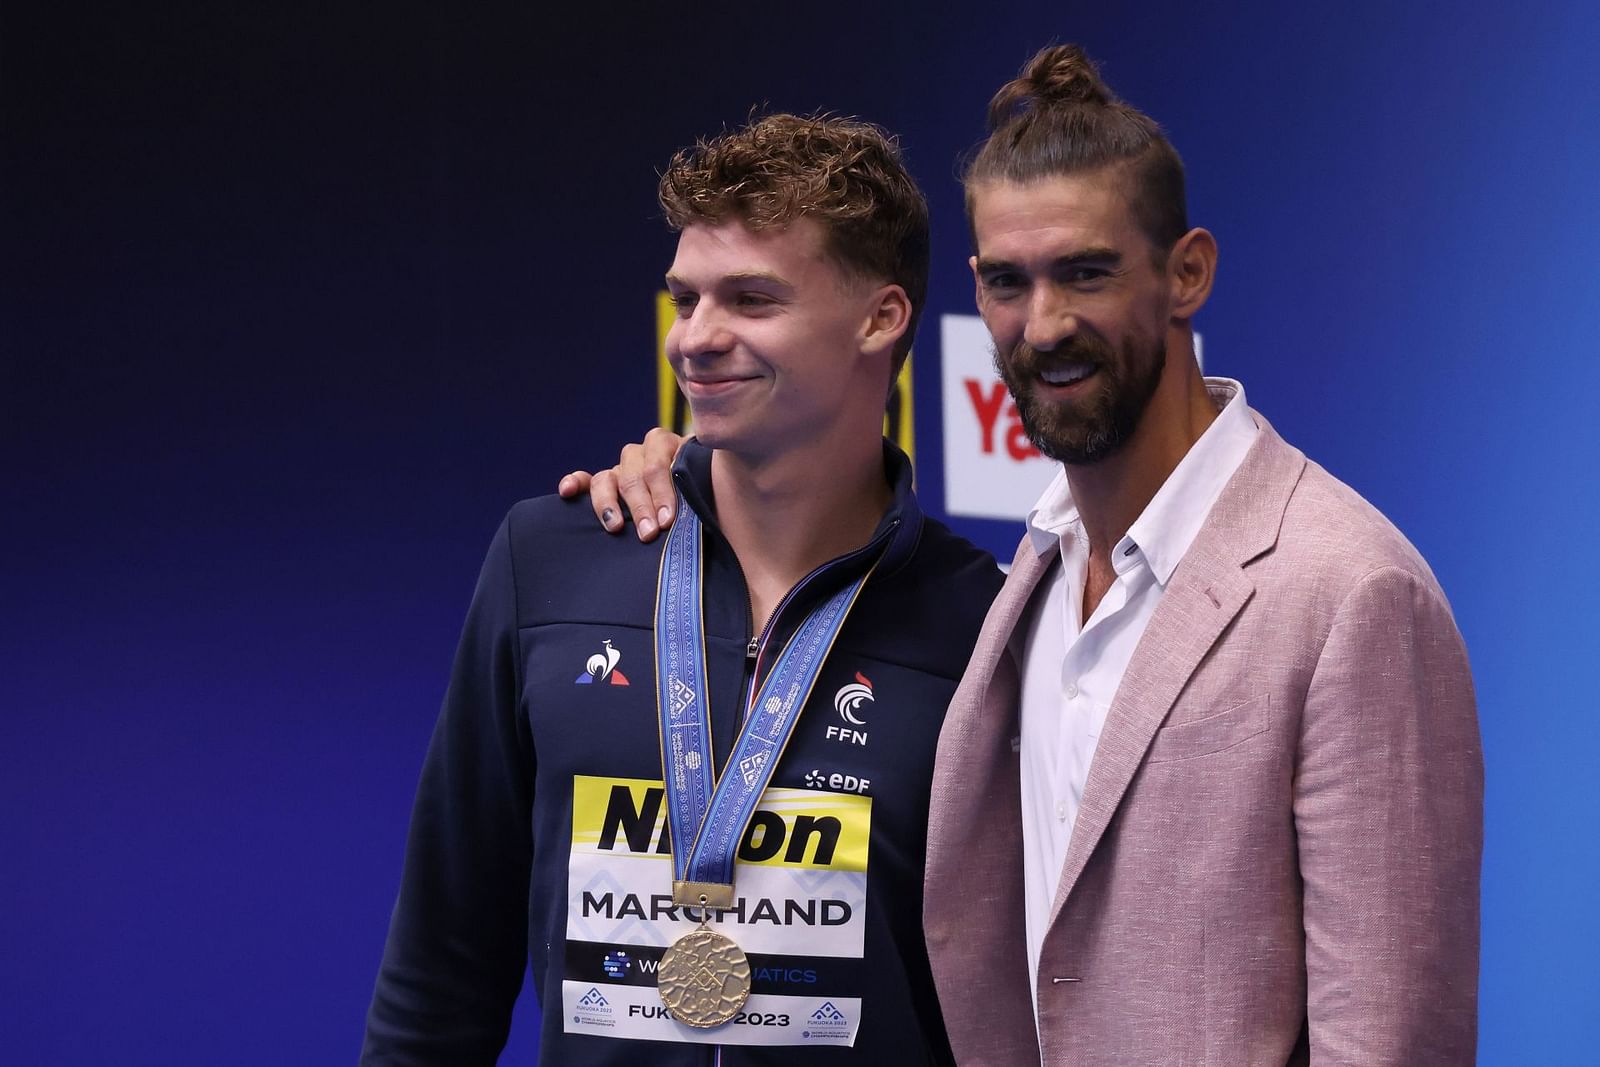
<point x="708" y="820"/>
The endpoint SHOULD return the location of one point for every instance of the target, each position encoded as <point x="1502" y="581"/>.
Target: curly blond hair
<point x="846" y="174"/>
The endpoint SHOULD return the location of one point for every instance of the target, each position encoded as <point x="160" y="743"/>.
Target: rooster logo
<point x="851" y="697"/>
<point x="602" y="667"/>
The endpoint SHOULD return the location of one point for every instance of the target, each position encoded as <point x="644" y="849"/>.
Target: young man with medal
<point x="690" y="778"/>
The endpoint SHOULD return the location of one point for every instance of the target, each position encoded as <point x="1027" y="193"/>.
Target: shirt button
<point x="1061" y="811"/>
<point x="1071" y="691"/>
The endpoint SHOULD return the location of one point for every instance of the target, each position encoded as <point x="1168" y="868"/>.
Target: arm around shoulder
<point x="457" y="945"/>
<point x="1389" y="819"/>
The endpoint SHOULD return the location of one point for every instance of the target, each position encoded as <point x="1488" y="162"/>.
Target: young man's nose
<point x="705" y="332"/>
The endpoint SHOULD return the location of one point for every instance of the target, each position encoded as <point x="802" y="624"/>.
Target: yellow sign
<point x="672" y="410"/>
<point x="800" y="828"/>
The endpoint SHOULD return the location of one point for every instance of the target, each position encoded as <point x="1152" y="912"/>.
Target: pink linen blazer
<point x="1276" y="859"/>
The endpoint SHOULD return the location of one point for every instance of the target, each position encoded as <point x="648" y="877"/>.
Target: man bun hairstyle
<point x="846" y="174"/>
<point x="1061" y="74"/>
<point x="1058" y="117"/>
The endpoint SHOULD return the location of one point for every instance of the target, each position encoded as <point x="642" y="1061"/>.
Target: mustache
<point x="1081" y="349"/>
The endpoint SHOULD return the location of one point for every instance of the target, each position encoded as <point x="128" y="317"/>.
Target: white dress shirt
<point x="1071" y="667"/>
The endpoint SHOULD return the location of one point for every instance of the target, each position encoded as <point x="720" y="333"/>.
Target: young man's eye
<point x="1080" y="275"/>
<point x="684" y="302"/>
<point x="755" y="300"/>
<point x="1002" y="284"/>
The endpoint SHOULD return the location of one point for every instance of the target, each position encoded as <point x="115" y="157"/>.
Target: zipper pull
<point x="752" y="648"/>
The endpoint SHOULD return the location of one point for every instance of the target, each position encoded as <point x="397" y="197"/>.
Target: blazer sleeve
<point x="1389" y="814"/>
<point x="457" y="947"/>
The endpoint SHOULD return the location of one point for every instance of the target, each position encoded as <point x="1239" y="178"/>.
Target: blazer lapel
<point x="1027" y="568"/>
<point x="1207" y="590"/>
<point x="973" y="900"/>
<point x="976" y="803"/>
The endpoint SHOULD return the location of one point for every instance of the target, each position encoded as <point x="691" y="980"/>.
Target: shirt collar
<point x="1053" y="515"/>
<point x="1172" y="519"/>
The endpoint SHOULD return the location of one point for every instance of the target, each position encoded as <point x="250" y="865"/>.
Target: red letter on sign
<point x="1017" y="442"/>
<point x="986" y="408"/>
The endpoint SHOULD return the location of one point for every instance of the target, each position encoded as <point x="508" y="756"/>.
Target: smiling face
<point x="774" y="345"/>
<point x="1078" y="302"/>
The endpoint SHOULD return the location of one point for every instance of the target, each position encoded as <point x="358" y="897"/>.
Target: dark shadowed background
<point x="297" y="299"/>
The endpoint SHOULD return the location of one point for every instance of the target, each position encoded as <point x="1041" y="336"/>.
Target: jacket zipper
<point x="753" y="650"/>
<point x="757" y="645"/>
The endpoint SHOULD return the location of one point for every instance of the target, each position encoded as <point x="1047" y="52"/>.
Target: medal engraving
<point x="704" y="979"/>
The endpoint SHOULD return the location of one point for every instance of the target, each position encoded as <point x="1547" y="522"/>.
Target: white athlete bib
<point x="799" y="912"/>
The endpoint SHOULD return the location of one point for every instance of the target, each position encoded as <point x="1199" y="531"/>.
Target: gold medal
<point x="704" y="978"/>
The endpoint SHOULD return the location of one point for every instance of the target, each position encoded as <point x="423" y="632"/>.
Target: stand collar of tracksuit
<point x="901" y="523"/>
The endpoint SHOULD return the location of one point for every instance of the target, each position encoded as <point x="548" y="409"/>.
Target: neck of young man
<point x="1111" y="494"/>
<point x="787" y="514"/>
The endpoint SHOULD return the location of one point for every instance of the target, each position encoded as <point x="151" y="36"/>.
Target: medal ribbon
<point x="708" y="820"/>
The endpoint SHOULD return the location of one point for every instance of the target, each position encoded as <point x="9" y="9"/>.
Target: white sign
<point x="991" y="469"/>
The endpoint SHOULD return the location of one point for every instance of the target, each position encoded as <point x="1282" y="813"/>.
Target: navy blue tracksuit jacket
<point x="537" y="829"/>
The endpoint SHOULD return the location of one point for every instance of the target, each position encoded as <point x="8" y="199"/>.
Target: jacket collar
<point x="902" y="522"/>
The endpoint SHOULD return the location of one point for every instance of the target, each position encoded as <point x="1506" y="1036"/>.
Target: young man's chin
<point x="753" y="444"/>
<point x="723" y="434"/>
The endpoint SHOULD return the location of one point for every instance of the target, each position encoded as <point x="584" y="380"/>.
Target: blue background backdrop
<point x="296" y="301"/>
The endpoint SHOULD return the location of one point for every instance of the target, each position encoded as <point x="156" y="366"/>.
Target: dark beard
<point x="1083" y="434"/>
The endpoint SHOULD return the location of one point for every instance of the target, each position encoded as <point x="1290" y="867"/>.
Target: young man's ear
<point x="888" y="318"/>
<point x="1192" y="268"/>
